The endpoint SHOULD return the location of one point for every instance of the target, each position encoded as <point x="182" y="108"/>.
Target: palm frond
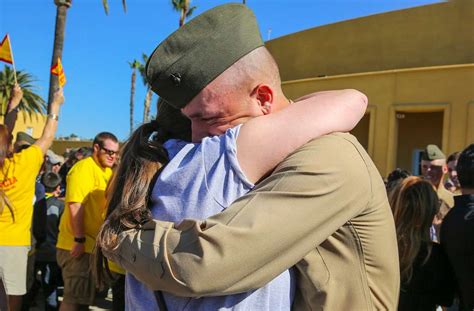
<point x="31" y="103"/>
<point x="134" y="64"/>
<point x="141" y="68"/>
<point x="177" y="5"/>
<point x="190" y="11"/>
<point x="105" y="3"/>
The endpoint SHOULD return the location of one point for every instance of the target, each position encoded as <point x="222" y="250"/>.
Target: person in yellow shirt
<point x="83" y="215"/>
<point x="18" y="173"/>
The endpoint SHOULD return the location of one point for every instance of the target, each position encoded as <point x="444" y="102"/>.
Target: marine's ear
<point x="264" y="96"/>
<point x="445" y="168"/>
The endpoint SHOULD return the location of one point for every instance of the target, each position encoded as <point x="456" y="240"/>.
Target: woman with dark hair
<point x="18" y="173"/>
<point x="395" y="177"/>
<point x="427" y="279"/>
<point x="202" y="179"/>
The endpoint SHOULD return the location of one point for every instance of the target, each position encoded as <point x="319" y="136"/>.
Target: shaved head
<point x="257" y="67"/>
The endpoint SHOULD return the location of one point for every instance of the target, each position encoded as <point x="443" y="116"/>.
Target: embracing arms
<point x="265" y="141"/>
<point x="311" y="194"/>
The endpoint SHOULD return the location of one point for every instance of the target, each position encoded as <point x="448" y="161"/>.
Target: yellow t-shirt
<point x="17" y="179"/>
<point x="86" y="184"/>
<point x="116" y="268"/>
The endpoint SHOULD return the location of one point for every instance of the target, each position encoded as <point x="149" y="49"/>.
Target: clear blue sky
<point x="97" y="47"/>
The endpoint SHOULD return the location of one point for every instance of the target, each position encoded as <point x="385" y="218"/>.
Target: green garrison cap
<point x="432" y="152"/>
<point x="25" y="138"/>
<point x="173" y="121"/>
<point x="199" y="51"/>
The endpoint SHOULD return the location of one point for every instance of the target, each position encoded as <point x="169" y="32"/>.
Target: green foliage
<point x="135" y="64"/>
<point x="31" y="103"/>
<point x="183" y="5"/>
<point x="190" y="11"/>
<point x="105" y="4"/>
<point x="141" y="68"/>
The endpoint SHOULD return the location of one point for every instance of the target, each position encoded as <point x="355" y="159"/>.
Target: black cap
<point x="51" y="180"/>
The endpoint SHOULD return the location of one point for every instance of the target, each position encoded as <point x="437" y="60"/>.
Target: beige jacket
<point x="447" y="198"/>
<point x="323" y="210"/>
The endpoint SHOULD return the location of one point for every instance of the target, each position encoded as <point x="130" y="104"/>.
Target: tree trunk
<point x="146" y="109"/>
<point x="132" y="96"/>
<point x="182" y="17"/>
<point x="184" y="11"/>
<point x="59" y="31"/>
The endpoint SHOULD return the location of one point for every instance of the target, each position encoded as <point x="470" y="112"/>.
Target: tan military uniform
<point x="324" y="210"/>
<point x="448" y="199"/>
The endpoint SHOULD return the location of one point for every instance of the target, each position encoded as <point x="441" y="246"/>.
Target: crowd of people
<point x="52" y="208"/>
<point x="434" y="223"/>
<point x="234" y="198"/>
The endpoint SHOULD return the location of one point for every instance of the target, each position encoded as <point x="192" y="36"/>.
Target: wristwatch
<point x="79" y="240"/>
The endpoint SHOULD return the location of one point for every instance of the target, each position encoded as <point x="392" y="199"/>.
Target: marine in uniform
<point x="323" y="210"/>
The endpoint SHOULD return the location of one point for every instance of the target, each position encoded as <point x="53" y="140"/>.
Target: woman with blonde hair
<point x="425" y="273"/>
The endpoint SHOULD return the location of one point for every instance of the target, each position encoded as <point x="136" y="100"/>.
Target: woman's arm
<point x="265" y="141"/>
<point x="46" y="139"/>
<point x="12" y="112"/>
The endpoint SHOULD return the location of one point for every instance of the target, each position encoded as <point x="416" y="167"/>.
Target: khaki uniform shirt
<point x="447" y="198"/>
<point x="323" y="210"/>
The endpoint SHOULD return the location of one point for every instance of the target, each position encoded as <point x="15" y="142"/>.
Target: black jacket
<point x="432" y="283"/>
<point x="457" y="239"/>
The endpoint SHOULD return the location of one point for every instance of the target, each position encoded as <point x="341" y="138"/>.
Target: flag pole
<point x="13" y="60"/>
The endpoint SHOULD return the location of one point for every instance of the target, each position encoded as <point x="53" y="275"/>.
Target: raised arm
<point x="265" y="141"/>
<point x="46" y="139"/>
<point x="12" y="111"/>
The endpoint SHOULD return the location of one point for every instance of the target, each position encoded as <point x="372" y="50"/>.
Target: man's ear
<point x="96" y="148"/>
<point x="445" y="168"/>
<point x="264" y="96"/>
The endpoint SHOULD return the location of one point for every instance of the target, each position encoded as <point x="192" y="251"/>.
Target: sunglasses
<point x="108" y="151"/>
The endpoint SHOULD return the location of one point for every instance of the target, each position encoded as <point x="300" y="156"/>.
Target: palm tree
<point x="31" y="103"/>
<point x="59" y="30"/>
<point x="134" y="65"/>
<point x="182" y="6"/>
<point x="149" y="92"/>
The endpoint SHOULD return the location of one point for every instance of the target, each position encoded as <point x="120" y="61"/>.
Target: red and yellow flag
<point x="59" y="71"/>
<point x="6" y="51"/>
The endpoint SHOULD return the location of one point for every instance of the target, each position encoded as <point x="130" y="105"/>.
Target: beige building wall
<point x="419" y="60"/>
<point x="33" y="125"/>
<point x="425" y="36"/>
<point x="447" y="89"/>
<point x="62" y="146"/>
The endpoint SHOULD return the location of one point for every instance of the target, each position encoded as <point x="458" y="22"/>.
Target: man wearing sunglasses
<point x="82" y="218"/>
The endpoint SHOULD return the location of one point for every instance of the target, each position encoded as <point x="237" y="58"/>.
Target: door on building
<point x="361" y="131"/>
<point x="415" y="131"/>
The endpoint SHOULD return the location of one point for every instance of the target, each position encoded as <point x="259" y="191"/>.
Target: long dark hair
<point x="5" y="141"/>
<point x="414" y="204"/>
<point x="142" y="158"/>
